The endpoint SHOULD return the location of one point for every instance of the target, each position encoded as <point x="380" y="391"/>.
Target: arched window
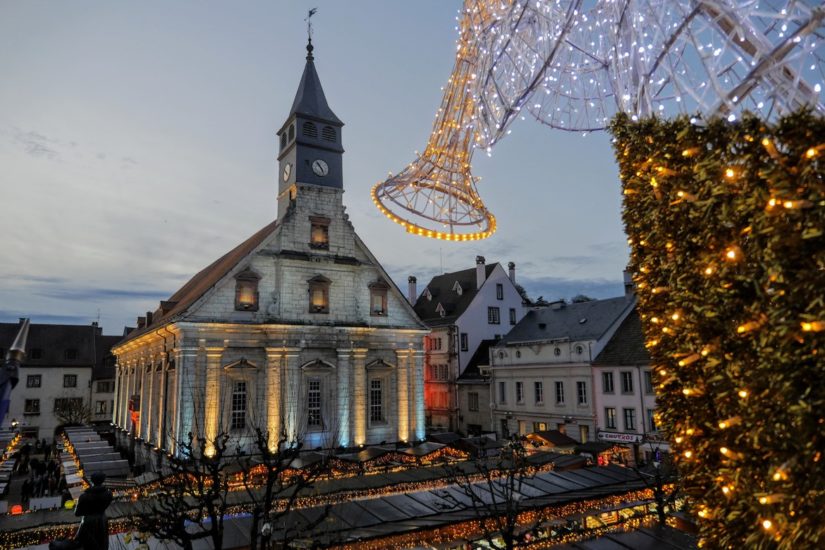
<point x="328" y="133"/>
<point x="378" y="297"/>
<point x="309" y="129"/>
<point x="319" y="294"/>
<point x="291" y="132"/>
<point x="283" y="140"/>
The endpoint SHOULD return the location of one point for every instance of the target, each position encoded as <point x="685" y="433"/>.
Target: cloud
<point x="35" y="144"/>
<point x="96" y="294"/>
<point x="9" y="316"/>
<point x="552" y="288"/>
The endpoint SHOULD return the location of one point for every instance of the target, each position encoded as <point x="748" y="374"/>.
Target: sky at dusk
<point x="137" y="145"/>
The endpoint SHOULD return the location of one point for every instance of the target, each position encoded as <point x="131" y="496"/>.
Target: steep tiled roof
<point x="441" y="289"/>
<point x="577" y="321"/>
<point x="480" y="357"/>
<point x="627" y="346"/>
<point x="205" y="279"/>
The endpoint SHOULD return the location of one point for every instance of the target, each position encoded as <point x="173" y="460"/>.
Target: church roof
<point x="208" y="277"/>
<point x="310" y="99"/>
<point x="441" y="288"/>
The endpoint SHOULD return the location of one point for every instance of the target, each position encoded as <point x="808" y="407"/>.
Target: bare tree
<point x="191" y="502"/>
<point x="72" y="411"/>
<point x="493" y="487"/>
<point x="274" y="476"/>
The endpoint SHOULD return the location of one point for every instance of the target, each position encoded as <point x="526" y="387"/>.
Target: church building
<point x="297" y="331"/>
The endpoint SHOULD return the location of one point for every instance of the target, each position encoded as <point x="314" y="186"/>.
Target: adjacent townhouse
<point x="542" y="374"/>
<point x="625" y="399"/>
<point x="462" y="309"/>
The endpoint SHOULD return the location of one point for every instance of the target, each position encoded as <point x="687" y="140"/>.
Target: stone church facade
<point x="297" y="331"/>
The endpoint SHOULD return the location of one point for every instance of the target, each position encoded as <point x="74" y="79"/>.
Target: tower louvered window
<point x="328" y="133"/>
<point x="309" y="130"/>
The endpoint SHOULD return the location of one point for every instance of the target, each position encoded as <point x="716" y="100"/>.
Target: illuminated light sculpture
<point x="574" y="64"/>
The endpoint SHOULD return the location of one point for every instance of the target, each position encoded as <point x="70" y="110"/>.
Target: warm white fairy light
<point x="573" y="68"/>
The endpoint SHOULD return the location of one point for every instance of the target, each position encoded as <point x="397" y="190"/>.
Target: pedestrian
<point x="26" y="491"/>
<point x="47" y="451"/>
<point x="36" y="446"/>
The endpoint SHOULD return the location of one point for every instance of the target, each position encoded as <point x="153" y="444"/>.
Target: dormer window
<point x="309" y="129"/>
<point x="246" y="290"/>
<point x="427" y="294"/>
<point x="440" y="310"/>
<point x="319" y="294"/>
<point x="378" y="298"/>
<point x="319" y="233"/>
<point x="328" y="133"/>
<point x="457" y="288"/>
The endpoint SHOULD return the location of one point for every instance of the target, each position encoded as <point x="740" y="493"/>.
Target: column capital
<point x="360" y="353"/>
<point x="214" y="352"/>
<point x="282" y="350"/>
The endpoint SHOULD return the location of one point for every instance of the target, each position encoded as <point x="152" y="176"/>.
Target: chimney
<point x="629" y="286"/>
<point x="481" y="273"/>
<point x="141" y="322"/>
<point x="148" y="318"/>
<point x="412" y="291"/>
<point x="512" y="270"/>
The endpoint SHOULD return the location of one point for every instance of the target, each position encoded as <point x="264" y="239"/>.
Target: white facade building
<point x="625" y="394"/>
<point x="541" y="373"/>
<point x="462" y="309"/>
<point x="298" y="331"/>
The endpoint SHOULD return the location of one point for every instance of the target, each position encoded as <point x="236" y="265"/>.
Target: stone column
<point x="273" y="396"/>
<point x="186" y="393"/>
<point x="403" y="393"/>
<point x="160" y="407"/>
<point x="127" y="392"/>
<point x="115" y="410"/>
<point x="141" y="376"/>
<point x="148" y="401"/>
<point x="344" y="397"/>
<point x="171" y="414"/>
<point x="212" y="404"/>
<point x="418" y="393"/>
<point x="359" y="395"/>
<point x="291" y="394"/>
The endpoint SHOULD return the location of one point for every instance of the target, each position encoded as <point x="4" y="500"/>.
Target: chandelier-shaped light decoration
<point x="574" y="64"/>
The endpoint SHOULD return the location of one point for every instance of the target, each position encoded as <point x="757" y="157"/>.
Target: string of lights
<point x="573" y="65"/>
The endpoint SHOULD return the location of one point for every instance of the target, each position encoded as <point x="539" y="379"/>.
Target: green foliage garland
<point x="726" y="226"/>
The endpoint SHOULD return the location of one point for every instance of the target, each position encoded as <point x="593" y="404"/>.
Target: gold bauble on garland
<point x="725" y="222"/>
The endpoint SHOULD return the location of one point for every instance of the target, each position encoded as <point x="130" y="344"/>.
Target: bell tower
<point x="310" y="151"/>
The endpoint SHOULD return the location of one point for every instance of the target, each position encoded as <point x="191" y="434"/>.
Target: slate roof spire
<point x="310" y="100"/>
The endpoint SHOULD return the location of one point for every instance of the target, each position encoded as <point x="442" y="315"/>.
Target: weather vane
<point x="308" y="19"/>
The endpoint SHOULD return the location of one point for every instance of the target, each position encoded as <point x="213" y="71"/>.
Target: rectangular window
<point x="238" y="420"/>
<point x="629" y="419"/>
<point x="31" y="406"/>
<point x="70" y="354"/>
<point x="559" y="393"/>
<point x="539" y="426"/>
<point x="105" y="387"/>
<point x="502" y="392"/>
<point x="472" y="401"/>
<point x="34" y="380"/>
<point x="584" y="434"/>
<point x="100" y="407"/>
<point x="562" y="427"/>
<point x="651" y="420"/>
<point x="581" y="392"/>
<point x="376" y="400"/>
<point x="610" y="418"/>
<point x="648" y="382"/>
<point x="519" y="392"/>
<point x="378" y="301"/>
<point x="505" y="432"/>
<point x="443" y="372"/>
<point x="314" y="403"/>
<point x="66" y="404"/>
<point x="69" y="380"/>
<point x="512" y="316"/>
<point x="607" y="382"/>
<point x="627" y="381"/>
<point x="538" y="392"/>
<point x="493" y="316"/>
<point x="435" y="343"/>
<point x="499" y="291"/>
<point x="465" y="344"/>
<point x="319" y="233"/>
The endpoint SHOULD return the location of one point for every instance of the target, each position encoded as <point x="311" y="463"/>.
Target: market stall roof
<point x="552" y="438"/>
<point x="593" y="447"/>
<point x="366" y="455"/>
<point x="428" y="447"/>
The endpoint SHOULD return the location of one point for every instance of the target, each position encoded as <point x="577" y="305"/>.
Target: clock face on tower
<point x="287" y="171"/>
<point x="320" y="168"/>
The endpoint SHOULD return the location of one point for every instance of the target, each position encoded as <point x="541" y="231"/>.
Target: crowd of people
<point x="44" y="476"/>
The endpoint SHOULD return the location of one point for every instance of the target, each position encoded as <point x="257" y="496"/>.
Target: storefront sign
<point x="620" y="438"/>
